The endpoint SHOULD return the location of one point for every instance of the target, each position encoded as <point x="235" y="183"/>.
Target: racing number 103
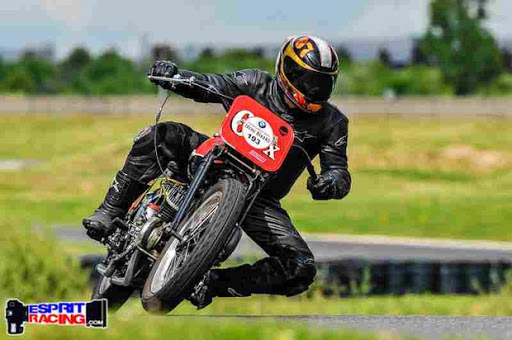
<point x="256" y="140"/>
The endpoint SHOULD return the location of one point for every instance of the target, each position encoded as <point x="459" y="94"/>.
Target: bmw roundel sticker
<point x="257" y="133"/>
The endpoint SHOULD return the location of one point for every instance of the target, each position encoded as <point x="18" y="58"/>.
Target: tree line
<point x="457" y="55"/>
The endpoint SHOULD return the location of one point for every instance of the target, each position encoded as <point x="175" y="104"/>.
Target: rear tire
<point x="161" y="292"/>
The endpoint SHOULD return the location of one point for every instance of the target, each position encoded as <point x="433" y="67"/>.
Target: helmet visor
<point x="316" y="86"/>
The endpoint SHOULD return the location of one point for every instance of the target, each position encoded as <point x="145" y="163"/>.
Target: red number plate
<point x="257" y="133"/>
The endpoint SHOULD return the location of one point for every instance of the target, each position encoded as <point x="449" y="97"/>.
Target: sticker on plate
<point x="258" y="133"/>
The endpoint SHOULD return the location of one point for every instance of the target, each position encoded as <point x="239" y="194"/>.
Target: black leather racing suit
<point x="289" y="269"/>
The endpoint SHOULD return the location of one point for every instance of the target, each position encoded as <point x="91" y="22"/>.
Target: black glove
<point x="325" y="187"/>
<point x="162" y="68"/>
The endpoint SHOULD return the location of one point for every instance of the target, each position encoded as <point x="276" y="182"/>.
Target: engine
<point x="150" y="233"/>
<point x="174" y="193"/>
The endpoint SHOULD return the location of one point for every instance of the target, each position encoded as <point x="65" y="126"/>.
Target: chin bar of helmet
<point x="296" y="97"/>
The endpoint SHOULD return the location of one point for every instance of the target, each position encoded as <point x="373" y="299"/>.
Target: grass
<point x="132" y="322"/>
<point x="424" y="177"/>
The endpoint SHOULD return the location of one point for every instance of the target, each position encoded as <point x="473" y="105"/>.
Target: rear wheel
<point x="205" y="231"/>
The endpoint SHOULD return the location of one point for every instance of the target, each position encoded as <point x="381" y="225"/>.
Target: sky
<point x="131" y="26"/>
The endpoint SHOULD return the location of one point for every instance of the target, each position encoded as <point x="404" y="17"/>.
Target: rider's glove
<point x="327" y="186"/>
<point x="163" y="68"/>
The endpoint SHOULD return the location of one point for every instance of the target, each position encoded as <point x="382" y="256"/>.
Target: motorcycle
<point x="183" y="226"/>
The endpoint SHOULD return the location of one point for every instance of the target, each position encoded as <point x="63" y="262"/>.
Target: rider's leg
<point x="123" y="191"/>
<point x="175" y="143"/>
<point x="289" y="270"/>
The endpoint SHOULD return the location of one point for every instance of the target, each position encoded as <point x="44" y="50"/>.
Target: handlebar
<point x="188" y="81"/>
<point x="192" y="81"/>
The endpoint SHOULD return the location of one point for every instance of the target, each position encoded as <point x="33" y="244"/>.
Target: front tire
<point x="209" y="225"/>
<point x="116" y="295"/>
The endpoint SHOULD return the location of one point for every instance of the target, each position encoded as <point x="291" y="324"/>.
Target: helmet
<point x="306" y="71"/>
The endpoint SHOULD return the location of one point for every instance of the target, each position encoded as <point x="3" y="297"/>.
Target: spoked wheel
<point x="205" y="231"/>
<point x="116" y="295"/>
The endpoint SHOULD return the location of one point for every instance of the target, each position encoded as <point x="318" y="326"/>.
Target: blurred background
<point x="98" y="48"/>
<point x="426" y="84"/>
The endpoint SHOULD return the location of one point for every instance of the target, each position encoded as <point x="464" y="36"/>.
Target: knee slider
<point x="302" y="275"/>
<point x="168" y="136"/>
<point x="144" y="139"/>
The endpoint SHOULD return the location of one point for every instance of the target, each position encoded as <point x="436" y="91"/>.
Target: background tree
<point x="506" y="58"/>
<point x="229" y="60"/>
<point x="77" y="60"/>
<point x="258" y="52"/>
<point x="418" y="56"/>
<point x="466" y="52"/>
<point x="73" y="71"/>
<point x="3" y="72"/>
<point x="384" y="56"/>
<point x="206" y="53"/>
<point x="164" y="52"/>
<point x="343" y="54"/>
<point x="35" y="74"/>
<point x="111" y="73"/>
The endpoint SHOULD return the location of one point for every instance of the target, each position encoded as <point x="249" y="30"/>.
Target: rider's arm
<point x="231" y="84"/>
<point x="334" y="163"/>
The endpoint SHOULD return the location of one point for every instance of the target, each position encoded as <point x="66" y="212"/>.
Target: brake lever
<point x="309" y="164"/>
<point x="311" y="171"/>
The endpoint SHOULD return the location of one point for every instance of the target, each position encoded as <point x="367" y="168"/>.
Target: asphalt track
<point x="336" y="247"/>
<point x="428" y="327"/>
<point x="423" y="327"/>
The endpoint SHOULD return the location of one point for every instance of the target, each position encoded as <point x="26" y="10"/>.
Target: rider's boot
<point x="202" y="295"/>
<point x="121" y="194"/>
<point x="217" y="283"/>
<point x="203" y="292"/>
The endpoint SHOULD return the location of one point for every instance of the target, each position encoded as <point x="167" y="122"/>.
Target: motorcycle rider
<point x="306" y="74"/>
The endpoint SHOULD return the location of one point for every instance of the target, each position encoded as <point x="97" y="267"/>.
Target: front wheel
<point x="205" y="231"/>
<point x="116" y="295"/>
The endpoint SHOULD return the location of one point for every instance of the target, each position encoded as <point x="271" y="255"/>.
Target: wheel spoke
<point x="192" y="230"/>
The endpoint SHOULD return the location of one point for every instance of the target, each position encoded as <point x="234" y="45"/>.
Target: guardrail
<point x="387" y="277"/>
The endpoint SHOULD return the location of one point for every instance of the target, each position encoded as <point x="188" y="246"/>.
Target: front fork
<point x="191" y="192"/>
<point x="256" y="179"/>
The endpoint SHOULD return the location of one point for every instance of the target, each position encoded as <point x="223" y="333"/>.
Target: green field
<point x="411" y="177"/>
<point x="199" y="328"/>
<point x="425" y="177"/>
